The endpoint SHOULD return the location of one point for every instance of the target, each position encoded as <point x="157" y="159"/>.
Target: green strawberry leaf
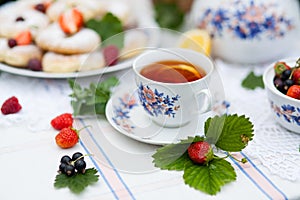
<point x="209" y="178"/>
<point x="78" y="182"/>
<point x="253" y="81"/>
<point x="174" y="156"/>
<point x="230" y="132"/>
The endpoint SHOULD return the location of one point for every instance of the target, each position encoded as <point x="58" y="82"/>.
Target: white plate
<point x="40" y="74"/>
<point x="126" y="115"/>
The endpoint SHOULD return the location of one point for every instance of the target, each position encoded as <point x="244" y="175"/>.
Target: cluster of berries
<point x="71" y="166"/>
<point x="287" y="79"/>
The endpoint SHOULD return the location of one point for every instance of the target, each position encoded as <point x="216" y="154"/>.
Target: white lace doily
<point x="274" y="147"/>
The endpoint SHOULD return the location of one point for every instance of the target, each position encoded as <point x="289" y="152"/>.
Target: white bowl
<point x="248" y="31"/>
<point x="285" y="109"/>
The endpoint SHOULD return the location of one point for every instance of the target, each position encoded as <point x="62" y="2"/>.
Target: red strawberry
<point x="296" y="76"/>
<point x="111" y="54"/>
<point x="11" y="106"/>
<point x="23" y="38"/>
<point x="200" y="152"/>
<point x="71" y="21"/>
<point x="64" y="120"/>
<point x="67" y="138"/>
<point x="294" y="91"/>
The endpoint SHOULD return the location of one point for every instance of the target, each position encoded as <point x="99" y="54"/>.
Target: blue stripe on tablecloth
<point x="252" y="180"/>
<point x="259" y="171"/>
<point x="108" y="160"/>
<point x="99" y="170"/>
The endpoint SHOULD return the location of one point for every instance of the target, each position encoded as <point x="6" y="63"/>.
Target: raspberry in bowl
<point x="283" y="93"/>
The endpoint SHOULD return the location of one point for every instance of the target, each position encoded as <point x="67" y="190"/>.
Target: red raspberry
<point x="111" y="54"/>
<point x="200" y="152"/>
<point x="64" y="120"/>
<point x="11" y="106"/>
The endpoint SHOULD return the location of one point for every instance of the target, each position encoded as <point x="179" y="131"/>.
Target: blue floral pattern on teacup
<point x="157" y="103"/>
<point x="126" y="103"/>
<point x="248" y="20"/>
<point x="291" y="114"/>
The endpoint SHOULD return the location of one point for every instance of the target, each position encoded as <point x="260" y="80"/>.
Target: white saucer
<point x="127" y="116"/>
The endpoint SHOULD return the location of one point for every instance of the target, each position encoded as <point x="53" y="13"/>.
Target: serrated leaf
<point x="110" y="29"/>
<point x="252" y="81"/>
<point x="237" y="131"/>
<point x="78" y="182"/>
<point x="174" y="156"/>
<point x="91" y="100"/>
<point x="209" y="178"/>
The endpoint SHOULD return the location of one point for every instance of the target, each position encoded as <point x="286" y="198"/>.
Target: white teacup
<point x="174" y="104"/>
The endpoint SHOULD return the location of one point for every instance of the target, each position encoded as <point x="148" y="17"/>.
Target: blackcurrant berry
<point x="77" y="155"/>
<point x="69" y="170"/>
<point x="80" y="165"/>
<point x="62" y="168"/>
<point x="12" y="43"/>
<point x="287" y="84"/>
<point x="286" y="74"/>
<point x="65" y="159"/>
<point x="35" y="64"/>
<point x="278" y="83"/>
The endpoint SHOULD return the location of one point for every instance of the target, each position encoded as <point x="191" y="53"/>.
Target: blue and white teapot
<point x="248" y="31"/>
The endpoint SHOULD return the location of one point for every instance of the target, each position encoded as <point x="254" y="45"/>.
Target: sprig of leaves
<point x="252" y="81"/>
<point x="78" y="182"/>
<point x="228" y="133"/>
<point x="91" y="100"/>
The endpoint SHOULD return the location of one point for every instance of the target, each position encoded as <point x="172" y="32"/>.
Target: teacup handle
<point x="204" y="100"/>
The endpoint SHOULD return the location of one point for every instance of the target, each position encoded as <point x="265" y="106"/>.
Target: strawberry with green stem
<point x="67" y="137"/>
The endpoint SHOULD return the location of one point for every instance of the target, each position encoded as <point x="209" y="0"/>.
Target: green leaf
<point x="174" y="156"/>
<point x="209" y="178"/>
<point x="233" y="134"/>
<point x="78" y="182"/>
<point x="110" y="29"/>
<point x="91" y="100"/>
<point x="252" y="81"/>
<point x="168" y="15"/>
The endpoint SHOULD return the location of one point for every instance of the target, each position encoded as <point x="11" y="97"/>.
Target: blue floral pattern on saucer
<point x="247" y="21"/>
<point x="156" y="103"/>
<point x="290" y="113"/>
<point x="121" y="111"/>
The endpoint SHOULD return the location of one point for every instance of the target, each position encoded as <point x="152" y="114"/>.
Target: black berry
<point x="62" y="168"/>
<point x="80" y="165"/>
<point x="77" y="155"/>
<point x="69" y="170"/>
<point x="66" y="159"/>
<point x="286" y="74"/>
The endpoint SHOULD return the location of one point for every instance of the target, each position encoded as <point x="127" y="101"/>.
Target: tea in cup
<point x="173" y="85"/>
